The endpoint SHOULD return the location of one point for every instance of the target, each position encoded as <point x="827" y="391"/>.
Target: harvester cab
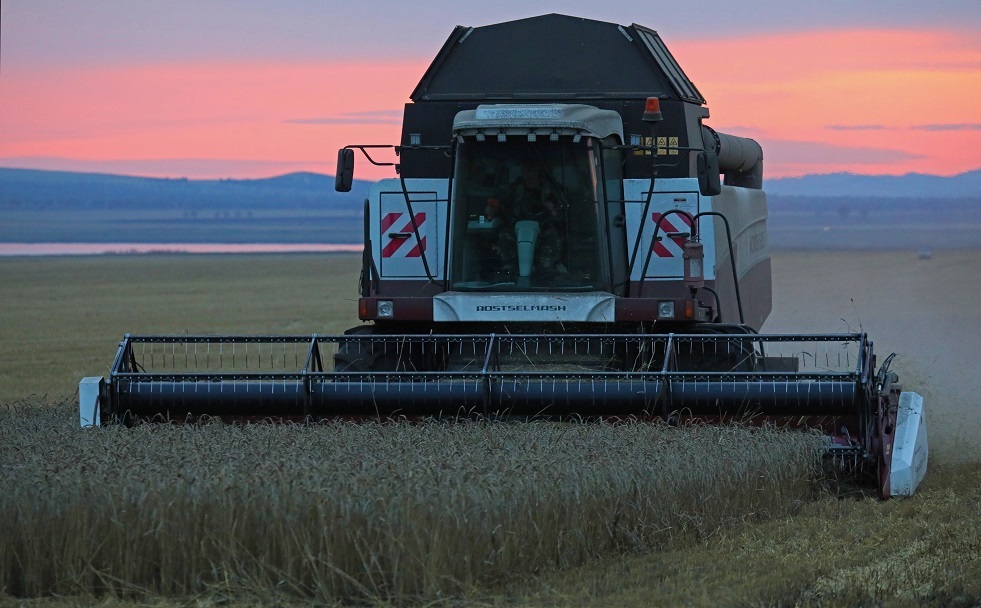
<point x="563" y="236"/>
<point x="526" y="195"/>
<point x="528" y="211"/>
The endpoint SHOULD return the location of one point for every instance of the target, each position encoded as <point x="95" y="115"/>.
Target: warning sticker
<point x="671" y="242"/>
<point x="398" y="235"/>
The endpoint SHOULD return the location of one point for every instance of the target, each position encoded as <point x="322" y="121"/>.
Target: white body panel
<point x="746" y="211"/>
<point x="400" y="257"/>
<point x="910" y="449"/>
<point x="88" y="401"/>
<point x="457" y="306"/>
<point x="395" y="249"/>
<point x="676" y="193"/>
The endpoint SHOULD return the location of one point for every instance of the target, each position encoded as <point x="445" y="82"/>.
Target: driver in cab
<point x="530" y="197"/>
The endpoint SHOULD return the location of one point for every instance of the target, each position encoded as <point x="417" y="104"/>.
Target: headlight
<point x="665" y="310"/>
<point x="386" y="310"/>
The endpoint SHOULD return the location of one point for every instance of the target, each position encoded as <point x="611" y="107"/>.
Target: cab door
<point x="398" y="250"/>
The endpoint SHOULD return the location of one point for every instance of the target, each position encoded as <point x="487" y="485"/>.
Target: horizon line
<point x="110" y="173"/>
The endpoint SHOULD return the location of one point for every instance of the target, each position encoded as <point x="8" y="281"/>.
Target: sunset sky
<point x="254" y="88"/>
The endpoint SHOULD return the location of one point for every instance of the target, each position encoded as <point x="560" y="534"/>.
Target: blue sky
<point x="44" y="32"/>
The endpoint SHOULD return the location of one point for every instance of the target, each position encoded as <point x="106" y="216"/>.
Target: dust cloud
<point x="925" y="310"/>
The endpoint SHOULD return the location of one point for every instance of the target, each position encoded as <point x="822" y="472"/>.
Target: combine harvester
<point x="558" y="243"/>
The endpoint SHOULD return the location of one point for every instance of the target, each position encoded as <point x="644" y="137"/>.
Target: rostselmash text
<point x="522" y="308"/>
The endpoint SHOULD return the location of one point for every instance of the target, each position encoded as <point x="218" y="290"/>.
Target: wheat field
<point x="380" y="511"/>
<point x="440" y="514"/>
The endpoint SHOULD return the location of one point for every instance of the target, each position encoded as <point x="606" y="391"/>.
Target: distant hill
<point x="840" y="210"/>
<point x="848" y="211"/>
<point x="57" y="187"/>
<point x="911" y="185"/>
<point x="28" y="186"/>
<point x="54" y="206"/>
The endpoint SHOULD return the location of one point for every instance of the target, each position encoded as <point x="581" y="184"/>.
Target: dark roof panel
<point x="683" y="87"/>
<point x="553" y="57"/>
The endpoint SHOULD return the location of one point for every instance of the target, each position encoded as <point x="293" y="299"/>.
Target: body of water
<point x="41" y="249"/>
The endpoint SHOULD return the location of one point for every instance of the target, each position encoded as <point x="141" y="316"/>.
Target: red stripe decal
<point x="416" y="252"/>
<point x="388" y="220"/>
<point x="666" y="227"/>
<point x="420" y="220"/>
<point x="662" y="251"/>
<point x="392" y="247"/>
<point x="395" y="244"/>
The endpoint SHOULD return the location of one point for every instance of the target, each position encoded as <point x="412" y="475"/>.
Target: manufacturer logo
<point x="522" y="308"/>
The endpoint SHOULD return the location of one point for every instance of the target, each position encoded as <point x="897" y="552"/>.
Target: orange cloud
<point x="865" y="101"/>
<point x="811" y="87"/>
<point x="274" y="112"/>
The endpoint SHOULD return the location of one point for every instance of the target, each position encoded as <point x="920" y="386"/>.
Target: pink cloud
<point x="852" y="89"/>
<point x="248" y="112"/>
<point x="909" y="96"/>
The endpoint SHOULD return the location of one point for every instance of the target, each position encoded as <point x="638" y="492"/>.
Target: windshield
<point x="526" y="216"/>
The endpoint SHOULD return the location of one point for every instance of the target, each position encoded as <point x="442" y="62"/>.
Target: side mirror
<point x="707" y="165"/>
<point x="344" y="178"/>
